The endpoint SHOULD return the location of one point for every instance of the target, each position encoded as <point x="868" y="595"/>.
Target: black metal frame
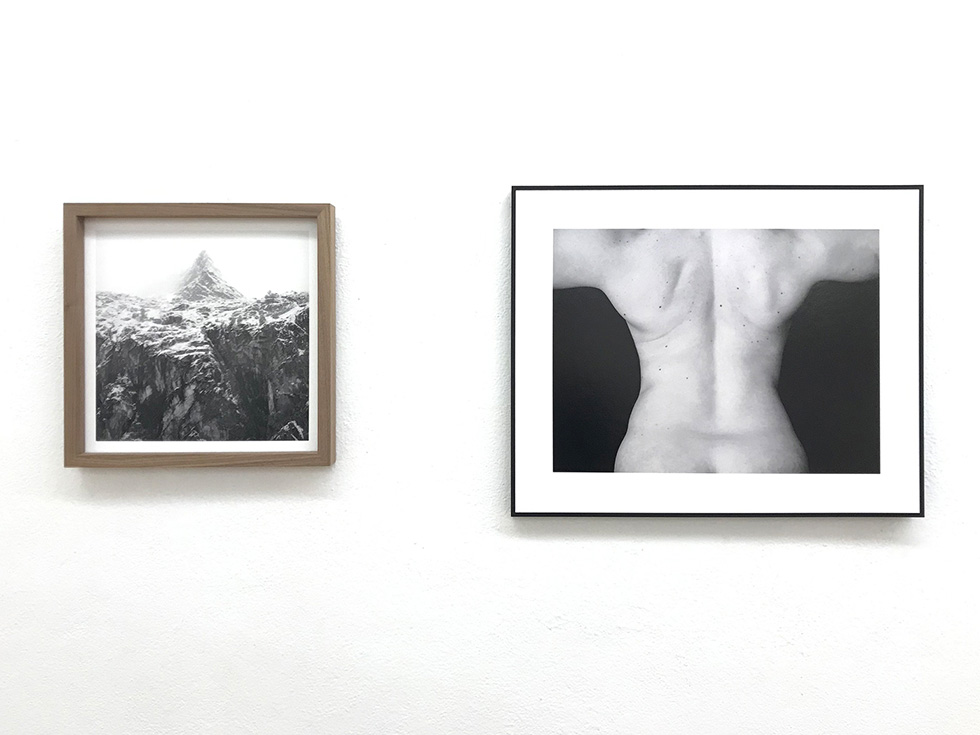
<point x="513" y="232"/>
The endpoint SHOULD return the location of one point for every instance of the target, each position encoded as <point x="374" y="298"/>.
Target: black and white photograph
<point x="202" y="335"/>
<point x="692" y="362"/>
<point x="196" y="355"/>
<point x="715" y="351"/>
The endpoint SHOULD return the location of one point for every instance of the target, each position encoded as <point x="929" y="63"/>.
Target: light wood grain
<point x="74" y="286"/>
<point x="150" y="211"/>
<point x="74" y="303"/>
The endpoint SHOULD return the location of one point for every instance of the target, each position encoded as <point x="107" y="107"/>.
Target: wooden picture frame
<point x="194" y="407"/>
<point x="637" y="392"/>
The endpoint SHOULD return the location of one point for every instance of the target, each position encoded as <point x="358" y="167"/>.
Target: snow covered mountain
<point x="205" y="363"/>
<point x="203" y="281"/>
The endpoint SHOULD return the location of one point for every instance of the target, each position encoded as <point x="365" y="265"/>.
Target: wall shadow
<point x="829" y="383"/>
<point x="163" y="485"/>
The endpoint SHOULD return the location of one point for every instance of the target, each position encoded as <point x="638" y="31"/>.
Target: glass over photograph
<point x="716" y="351"/>
<point x="202" y="338"/>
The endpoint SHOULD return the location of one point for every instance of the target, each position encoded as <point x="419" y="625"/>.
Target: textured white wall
<point x="393" y="593"/>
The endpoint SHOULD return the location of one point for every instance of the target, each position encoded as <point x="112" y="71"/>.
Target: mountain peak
<point x="203" y="260"/>
<point x="204" y="281"/>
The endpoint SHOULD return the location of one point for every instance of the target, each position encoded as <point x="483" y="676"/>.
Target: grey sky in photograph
<point x="152" y="267"/>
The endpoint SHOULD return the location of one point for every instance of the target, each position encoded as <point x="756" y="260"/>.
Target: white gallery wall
<point x="393" y="593"/>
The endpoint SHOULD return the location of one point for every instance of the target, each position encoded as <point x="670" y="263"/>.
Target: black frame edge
<point x="608" y="187"/>
<point x="922" y="395"/>
<point x="513" y="348"/>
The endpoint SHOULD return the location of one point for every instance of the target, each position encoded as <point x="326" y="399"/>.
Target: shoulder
<point x="840" y="255"/>
<point x="579" y="257"/>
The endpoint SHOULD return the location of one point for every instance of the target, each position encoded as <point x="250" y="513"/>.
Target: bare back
<point x="707" y="310"/>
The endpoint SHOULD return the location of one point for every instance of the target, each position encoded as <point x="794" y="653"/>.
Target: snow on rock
<point x="205" y="363"/>
<point x="203" y="282"/>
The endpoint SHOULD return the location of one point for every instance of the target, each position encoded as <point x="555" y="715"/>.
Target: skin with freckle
<point x="708" y="312"/>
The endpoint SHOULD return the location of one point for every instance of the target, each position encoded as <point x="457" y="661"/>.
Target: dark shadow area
<point x="596" y="380"/>
<point x="829" y="381"/>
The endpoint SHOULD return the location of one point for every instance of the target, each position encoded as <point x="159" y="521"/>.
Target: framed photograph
<point x="199" y="335"/>
<point x="717" y="351"/>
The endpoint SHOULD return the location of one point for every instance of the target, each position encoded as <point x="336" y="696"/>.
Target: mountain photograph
<point x="203" y="362"/>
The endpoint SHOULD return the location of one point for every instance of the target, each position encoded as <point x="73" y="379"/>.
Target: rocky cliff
<point x="203" y="364"/>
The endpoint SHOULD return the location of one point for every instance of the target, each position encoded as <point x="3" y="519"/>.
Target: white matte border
<point x="153" y="232"/>
<point x="894" y="212"/>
